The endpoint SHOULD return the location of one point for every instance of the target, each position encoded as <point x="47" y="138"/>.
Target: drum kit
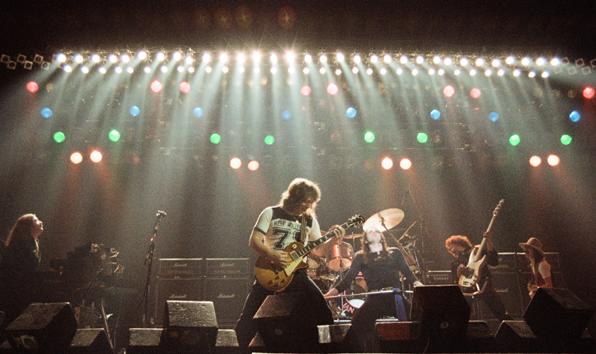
<point x="327" y="270"/>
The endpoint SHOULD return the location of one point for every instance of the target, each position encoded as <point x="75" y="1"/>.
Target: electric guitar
<point x="474" y="270"/>
<point x="275" y="278"/>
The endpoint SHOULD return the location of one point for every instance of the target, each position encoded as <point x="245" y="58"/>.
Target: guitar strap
<point x="302" y="229"/>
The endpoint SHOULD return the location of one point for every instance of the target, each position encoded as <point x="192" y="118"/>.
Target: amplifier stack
<point x="225" y="281"/>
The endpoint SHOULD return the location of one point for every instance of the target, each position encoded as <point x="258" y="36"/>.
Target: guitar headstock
<point x="498" y="207"/>
<point x="355" y="220"/>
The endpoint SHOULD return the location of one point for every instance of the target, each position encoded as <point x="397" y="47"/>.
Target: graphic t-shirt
<point x="281" y="229"/>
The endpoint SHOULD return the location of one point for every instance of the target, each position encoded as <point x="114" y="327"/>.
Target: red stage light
<point x="96" y="156"/>
<point x="184" y="87"/>
<point x="76" y="157"/>
<point x="449" y="91"/>
<point x="475" y="93"/>
<point x="535" y="161"/>
<point x="387" y="163"/>
<point x="156" y="86"/>
<point x="32" y="86"/>
<point x="588" y="92"/>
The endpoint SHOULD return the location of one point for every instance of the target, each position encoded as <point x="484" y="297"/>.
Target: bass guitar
<point x="474" y="271"/>
<point x="275" y="278"/>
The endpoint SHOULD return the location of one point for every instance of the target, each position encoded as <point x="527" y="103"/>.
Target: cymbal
<point x="353" y="236"/>
<point x="384" y="220"/>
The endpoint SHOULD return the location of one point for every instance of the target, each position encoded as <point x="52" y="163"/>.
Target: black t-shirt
<point x="380" y="271"/>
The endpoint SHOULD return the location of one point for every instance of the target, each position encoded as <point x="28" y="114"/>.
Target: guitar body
<point x="275" y="278"/>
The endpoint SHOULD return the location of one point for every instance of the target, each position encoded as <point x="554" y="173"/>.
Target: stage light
<point x="449" y="91"/>
<point x="510" y="60"/>
<point x="405" y="163"/>
<point x="369" y="71"/>
<point x="357" y="59"/>
<point x="383" y="71"/>
<point x="96" y="156"/>
<point x="323" y="59"/>
<point x="95" y="58"/>
<point x="493" y="116"/>
<point x="566" y="139"/>
<point x="437" y="59"/>
<point x="473" y="72"/>
<point x="500" y="72"/>
<point x="369" y="137"/>
<point x="125" y="58"/>
<point x="32" y="86"/>
<point x="540" y="61"/>
<point x="198" y="112"/>
<point x="191" y="69"/>
<point x="532" y="74"/>
<point x="338" y="72"/>
<point x="118" y="70"/>
<point x="163" y="69"/>
<point x="177" y="56"/>
<point x="235" y="163"/>
<point x="456" y="72"/>
<point x="514" y="140"/>
<point x="435" y="114"/>
<point x="464" y="61"/>
<point x="526" y="61"/>
<point x="488" y="72"/>
<point x="441" y="72"/>
<point x="422" y="137"/>
<point x="67" y="68"/>
<point x="479" y="62"/>
<point x="114" y="135"/>
<point x="134" y="111"/>
<point x="142" y="55"/>
<point x="103" y="70"/>
<point x="253" y="165"/>
<point x="61" y="58"/>
<point x="286" y="115"/>
<point x="475" y="93"/>
<point x="387" y="163"/>
<point x="399" y="71"/>
<point x="555" y="61"/>
<point x="403" y="59"/>
<point x="340" y="57"/>
<point x="588" y="92"/>
<point x="273" y="71"/>
<point x="215" y="138"/>
<point x="535" y="161"/>
<point x="351" y="112"/>
<point x="305" y="71"/>
<point x="85" y="69"/>
<point x="387" y="58"/>
<point x="374" y="59"/>
<point x="308" y="58"/>
<point x="59" y="137"/>
<point x="46" y="112"/>
<point x="448" y="61"/>
<point x="208" y="69"/>
<point x="184" y="87"/>
<point x="305" y="90"/>
<point x="147" y="70"/>
<point x="516" y="72"/>
<point x="206" y="58"/>
<point x="156" y="86"/>
<point x="332" y="89"/>
<point x="575" y="116"/>
<point x="224" y="57"/>
<point x="431" y="71"/>
<point x="76" y="157"/>
<point x="414" y="72"/>
<point x="269" y="139"/>
<point x="495" y="63"/>
<point x="130" y="70"/>
<point x="180" y="69"/>
<point x="419" y="59"/>
<point x="78" y="58"/>
<point x="553" y="160"/>
<point x="355" y="70"/>
<point x="113" y="58"/>
<point x="545" y="74"/>
<point x="241" y="58"/>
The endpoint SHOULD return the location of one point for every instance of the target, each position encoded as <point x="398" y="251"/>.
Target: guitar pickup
<point x="294" y="255"/>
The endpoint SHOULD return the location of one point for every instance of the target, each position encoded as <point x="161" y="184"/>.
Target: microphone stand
<point x="149" y="263"/>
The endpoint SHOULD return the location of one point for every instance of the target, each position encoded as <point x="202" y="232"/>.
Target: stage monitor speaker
<point x="43" y="328"/>
<point x="557" y="313"/>
<point x="90" y="341"/>
<point x="287" y="321"/>
<point x="442" y="311"/>
<point x="176" y="289"/>
<point x="228" y="295"/>
<point x="399" y="336"/>
<point x="190" y="325"/>
<point x="227" y="342"/>
<point x="145" y="341"/>
<point x="507" y="286"/>
<point x="516" y="336"/>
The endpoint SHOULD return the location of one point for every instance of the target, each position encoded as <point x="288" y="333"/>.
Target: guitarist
<point x="460" y="248"/>
<point x="293" y="219"/>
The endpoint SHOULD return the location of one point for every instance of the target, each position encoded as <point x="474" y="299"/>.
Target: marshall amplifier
<point x="176" y="289"/>
<point x="180" y="268"/>
<point x="551" y="257"/>
<point x="508" y="262"/>
<point x="228" y="295"/>
<point x="226" y="267"/>
<point x="438" y="277"/>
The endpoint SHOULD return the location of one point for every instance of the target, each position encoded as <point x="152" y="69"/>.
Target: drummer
<point x="381" y="267"/>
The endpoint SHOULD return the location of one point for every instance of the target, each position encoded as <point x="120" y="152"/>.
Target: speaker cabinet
<point x="557" y="313"/>
<point x="176" y="289"/>
<point x="43" y="327"/>
<point x="228" y="295"/>
<point x="145" y="341"/>
<point x="507" y="286"/>
<point x="90" y="341"/>
<point x="190" y="325"/>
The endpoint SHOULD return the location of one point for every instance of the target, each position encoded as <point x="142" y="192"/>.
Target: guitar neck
<point x="490" y="225"/>
<point x="313" y="244"/>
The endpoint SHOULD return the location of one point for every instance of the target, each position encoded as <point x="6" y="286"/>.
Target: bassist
<point x="460" y="248"/>
<point x="292" y="220"/>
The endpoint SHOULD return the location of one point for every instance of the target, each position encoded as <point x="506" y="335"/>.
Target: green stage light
<point x="422" y="137"/>
<point x="215" y="138"/>
<point x="59" y="137"/>
<point x="114" y="135"/>
<point x="566" y="139"/>
<point x="369" y="137"/>
<point x="269" y="140"/>
<point x="514" y="140"/>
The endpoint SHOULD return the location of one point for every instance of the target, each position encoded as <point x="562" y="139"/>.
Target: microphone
<point x="161" y="214"/>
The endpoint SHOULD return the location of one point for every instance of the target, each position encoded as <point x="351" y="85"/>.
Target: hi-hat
<point x="384" y="220"/>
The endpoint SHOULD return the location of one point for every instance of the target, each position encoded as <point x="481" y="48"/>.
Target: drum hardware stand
<point x="149" y="263"/>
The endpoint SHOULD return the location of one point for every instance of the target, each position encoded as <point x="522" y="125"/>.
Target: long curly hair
<point x="21" y="229"/>
<point x="459" y="240"/>
<point x="298" y="191"/>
